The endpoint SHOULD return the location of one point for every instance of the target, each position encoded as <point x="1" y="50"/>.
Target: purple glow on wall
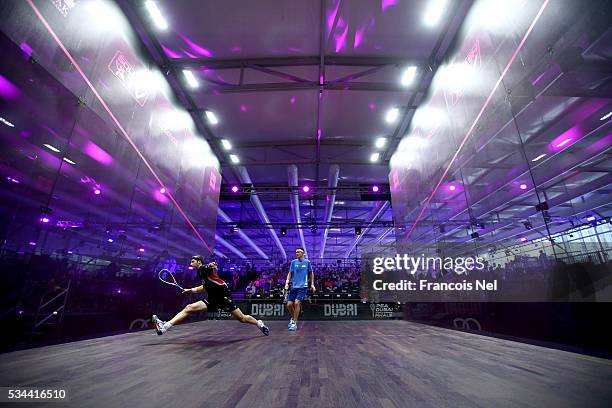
<point x="170" y="53"/>
<point x="97" y="153"/>
<point x="236" y="48"/>
<point x="27" y="50"/>
<point x="331" y="16"/>
<point x="566" y="139"/>
<point x="196" y="47"/>
<point x="321" y="79"/>
<point x="358" y="37"/>
<point x="388" y="3"/>
<point x="7" y="89"/>
<point x="187" y="53"/>
<point x="371" y="106"/>
<point x="292" y="100"/>
<point x="97" y="191"/>
<point x="319" y="135"/>
<point x="32" y="243"/>
<point x="341" y="38"/>
<point x="243" y="108"/>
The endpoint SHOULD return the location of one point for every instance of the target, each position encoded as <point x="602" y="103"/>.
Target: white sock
<point x="166" y="326"/>
<point x="259" y="324"/>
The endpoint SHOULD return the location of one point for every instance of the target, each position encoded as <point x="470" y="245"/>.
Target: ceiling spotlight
<point x="52" y="148"/>
<point x="392" y="115"/>
<point x="523" y="239"/>
<point x="380" y="142"/>
<point x="156" y="15"/>
<point x="162" y="190"/>
<point x="67" y="160"/>
<point x="6" y="122"/>
<point x="306" y="189"/>
<point x="374" y="157"/>
<point x="539" y="157"/>
<point x="375" y="189"/>
<point x="97" y="191"/>
<point x="141" y="250"/>
<point x="45" y="219"/>
<point x="226" y="144"/>
<point x="235" y="189"/>
<point x="190" y="78"/>
<point x="211" y="117"/>
<point x="234" y="159"/>
<point x="452" y="188"/>
<point x="110" y="240"/>
<point x="433" y="13"/>
<point x="591" y="218"/>
<point x="408" y="75"/>
<point x="606" y="116"/>
<point x="564" y="142"/>
<point x="523" y="186"/>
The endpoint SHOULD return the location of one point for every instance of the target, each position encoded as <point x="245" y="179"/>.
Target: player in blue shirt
<point x="299" y="272"/>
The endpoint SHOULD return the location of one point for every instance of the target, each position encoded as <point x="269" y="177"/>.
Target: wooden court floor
<point x="325" y="364"/>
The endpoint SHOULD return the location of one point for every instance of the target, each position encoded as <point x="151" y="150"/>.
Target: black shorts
<point x="220" y="300"/>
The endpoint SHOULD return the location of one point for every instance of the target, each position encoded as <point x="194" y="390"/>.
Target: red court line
<point x="110" y="113"/>
<point x="484" y="106"/>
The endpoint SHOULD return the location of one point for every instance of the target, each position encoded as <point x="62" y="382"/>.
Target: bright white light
<point x="191" y="79"/>
<point x="434" y="12"/>
<point x="374" y="157"/>
<point x="402" y="159"/>
<point x="176" y="120"/>
<point x="226" y="144"/>
<point x="234" y="159"/>
<point x="6" y="122"/>
<point x="408" y="76"/>
<point x="52" y="148"/>
<point x="606" y="116"/>
<point x="411" y="143"/>
<point x="380" y="142"/>
<point x="539" y="157"/>
<point x="156" y="15"/>
<point x="211" y="117"/>
<point x="196" y="152"/>
<point x="67" y="160"/>
<point x="427" y="117"/>
<point x="339" y="202"/>
<point x="392" y="115"/>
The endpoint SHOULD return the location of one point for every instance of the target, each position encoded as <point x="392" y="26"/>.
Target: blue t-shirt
<point x="299" y="273"/>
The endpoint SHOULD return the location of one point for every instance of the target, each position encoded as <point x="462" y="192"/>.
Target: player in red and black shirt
<point x="219" y="298"/>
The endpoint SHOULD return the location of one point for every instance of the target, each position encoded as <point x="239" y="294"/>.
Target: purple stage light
<point x="12" y="180"/>
<point x="141" y="249"/>
<point x="590" y="218"/>
<point x="70" y="252"/>
<point x="97" y="153"/>
<point x="119" y="291"/>
<point x="110" y="240"/>
<point x="523" y="186"/>
<point x="523" y="239"/>
<point x="234" y="189"/>
<point x="45" y="219"/>
<point x="375" y="189"/>
<point x="162" y="190"/>
<point x="452" y="188"/>
<point x="305" y="189"/>
<point x="97" y="191"/>
<point x="32" y="243"/>
<point x="20" y="312"/>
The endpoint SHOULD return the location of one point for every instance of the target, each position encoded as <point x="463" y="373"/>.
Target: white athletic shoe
<point x="159" y="325"/>
<point x="264" y="329"/>
<point x="293" y="327"/>
<point x="290" y="323"/>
